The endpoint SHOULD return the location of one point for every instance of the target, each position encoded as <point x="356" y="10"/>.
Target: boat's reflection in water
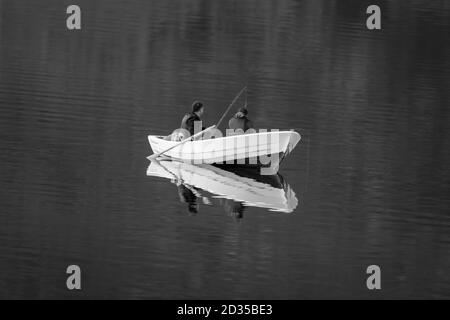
<point x="229" y="186"/>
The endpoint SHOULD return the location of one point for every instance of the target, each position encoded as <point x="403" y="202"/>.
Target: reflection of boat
<point x="239" y="185"/>
<point x="263" y="148"/>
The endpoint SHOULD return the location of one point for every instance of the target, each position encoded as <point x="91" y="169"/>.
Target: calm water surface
<point x="371" y="174"/>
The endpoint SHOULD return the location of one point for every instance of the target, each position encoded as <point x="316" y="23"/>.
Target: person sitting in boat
<point x="193" y="119"/>
<point x="240" y="121"/>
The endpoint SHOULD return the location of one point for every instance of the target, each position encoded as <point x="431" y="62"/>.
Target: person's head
<point x="198" y="108"/>
<point x="242" y="112"/>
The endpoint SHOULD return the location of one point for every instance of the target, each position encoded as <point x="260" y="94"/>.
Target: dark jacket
<point x="240" y="121"/>
<point x="188" y="122"/>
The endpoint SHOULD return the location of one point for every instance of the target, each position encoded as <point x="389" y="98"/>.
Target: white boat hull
<point x="260" y="149"/>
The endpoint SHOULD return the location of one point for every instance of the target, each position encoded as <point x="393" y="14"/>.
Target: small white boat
<point x="265" y="149"/>
<point x="270" y="192"/>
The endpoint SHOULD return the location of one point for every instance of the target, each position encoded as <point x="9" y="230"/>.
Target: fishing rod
<point x="231" y="104"/>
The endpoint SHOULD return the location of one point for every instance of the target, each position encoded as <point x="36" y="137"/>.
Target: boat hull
<point x="266" y="149"/>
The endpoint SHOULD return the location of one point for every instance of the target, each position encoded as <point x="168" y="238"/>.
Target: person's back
<point x="188" y="122"/>
<point x="240" y="121"/>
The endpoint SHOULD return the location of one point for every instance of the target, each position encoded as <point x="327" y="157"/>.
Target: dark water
<point x="371" y="174"/>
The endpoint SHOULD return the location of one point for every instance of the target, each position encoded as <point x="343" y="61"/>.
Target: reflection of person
<point x="234" y="209"/>
<point x="191" y="196"/>
<point x="187" y="196"/>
